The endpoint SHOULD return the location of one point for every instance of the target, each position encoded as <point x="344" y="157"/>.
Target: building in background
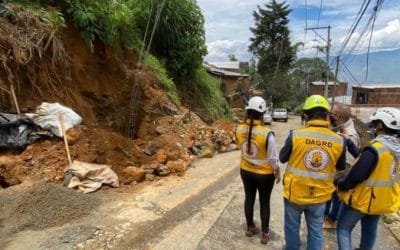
<point x="377" y="94"/>
<point x="234" y="84"/>
<point x="318" y="87"/>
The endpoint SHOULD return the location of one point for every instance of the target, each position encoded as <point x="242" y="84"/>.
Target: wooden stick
<point x="14" y="97"/>
<point x="61" y="117"/>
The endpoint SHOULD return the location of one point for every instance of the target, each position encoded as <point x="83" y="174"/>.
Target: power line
<point x="378" y="5"/>
<point x="349" y="71"/>
<point x="305" y="31"/>
<point x="315" y="36"/>
<point x="319" y="15"/>
<point x="371" y="22"/>
<point x="319" y="12"/>
<point x="353" y="27"/>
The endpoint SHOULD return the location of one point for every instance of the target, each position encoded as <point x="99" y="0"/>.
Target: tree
<point x="306" y="70"/>
<point x="179" y="38"/>
<point x="272" y="47"/>
<point x="232" y="58"/>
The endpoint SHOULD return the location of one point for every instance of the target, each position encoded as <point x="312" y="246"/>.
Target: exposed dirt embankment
<point x="55" y="65"/>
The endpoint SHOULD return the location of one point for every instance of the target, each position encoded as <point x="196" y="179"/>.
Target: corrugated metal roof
<point x="323" y="83"/>
<point x="217" y="71"/>
<point x="379" y="86"/>
<point x="226" y="65"/>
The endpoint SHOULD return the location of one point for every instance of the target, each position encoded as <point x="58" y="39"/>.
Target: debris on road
<point x="41" y="206"/>
<point x="88" y="177"/>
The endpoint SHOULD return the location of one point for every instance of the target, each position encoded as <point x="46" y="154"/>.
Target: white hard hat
<point x="257" y="103"/>
<point x="389" y="116"/>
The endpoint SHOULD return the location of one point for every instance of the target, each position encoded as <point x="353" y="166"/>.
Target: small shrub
<point x="166" y="82"/>
<point x="208" y="94"/>
<point x="50" y="15"/>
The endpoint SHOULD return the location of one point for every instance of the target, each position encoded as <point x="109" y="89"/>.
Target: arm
<point x="272" y="155"/>
<point x="360" y="171"/>
<point x="352" y="148"/>
<point x="272" y="152"/>
<point x="286" y="150"/>
<point x="341" y="163"/>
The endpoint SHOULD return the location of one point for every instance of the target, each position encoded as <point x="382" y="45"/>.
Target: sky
<point x="227" y="25"/>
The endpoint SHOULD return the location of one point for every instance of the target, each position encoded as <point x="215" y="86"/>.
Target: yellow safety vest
<point x="256" y="161"/>
<point x="311" y="168"/>
<point x="380" y="193"/>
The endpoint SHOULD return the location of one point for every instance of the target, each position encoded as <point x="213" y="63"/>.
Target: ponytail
<point x="249" y="136"/>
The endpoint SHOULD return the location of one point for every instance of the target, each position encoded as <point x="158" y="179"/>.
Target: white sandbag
<point x="89" y="177"/>
<point x="47" y="116"/>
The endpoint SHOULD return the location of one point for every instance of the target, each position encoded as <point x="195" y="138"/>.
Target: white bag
<point x="47" y="116"/>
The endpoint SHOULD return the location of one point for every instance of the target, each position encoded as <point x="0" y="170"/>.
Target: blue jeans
<point x="348" y="218"/>
<point x="314" y="214"/>
<point x="333" y="207"/>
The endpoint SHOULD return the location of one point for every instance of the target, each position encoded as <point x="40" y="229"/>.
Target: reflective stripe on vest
<point x="371" y="183"/>
<point x="309" y="174"/>
<point x="382" y="149"/>
<point x="256" y="162"/>
<point x="317" y="135"/>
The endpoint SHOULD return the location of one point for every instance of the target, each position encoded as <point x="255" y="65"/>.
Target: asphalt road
<point x="226" y="229"/>
<point x="203" y="209"/>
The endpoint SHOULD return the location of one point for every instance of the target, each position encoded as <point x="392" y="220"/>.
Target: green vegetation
<point x="207" y="92"/>
<point x="271" y="45"/>
<point x="167" y="82"/>
<point x="50" y="15"/>
<point x="178" y="40"/>
<point x="110" y="21"/>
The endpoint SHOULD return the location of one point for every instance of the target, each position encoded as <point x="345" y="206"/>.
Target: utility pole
<point x="327" y="48"/>
<point x="336" y="73"/>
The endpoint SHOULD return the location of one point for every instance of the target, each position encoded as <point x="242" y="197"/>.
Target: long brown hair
<point x="252" y="115"/>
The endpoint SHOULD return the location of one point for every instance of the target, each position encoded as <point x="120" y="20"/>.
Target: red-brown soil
<point x="97" y="85"/>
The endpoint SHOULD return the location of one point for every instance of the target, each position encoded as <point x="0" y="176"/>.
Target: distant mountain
<point x="384" y="67"/>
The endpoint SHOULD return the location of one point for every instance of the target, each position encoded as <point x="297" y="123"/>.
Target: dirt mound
<point x="99" y="87"/>
<point x="42" y="206"/>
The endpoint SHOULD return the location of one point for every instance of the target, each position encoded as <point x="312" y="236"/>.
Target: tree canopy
<point x="272" y="47"/>
<point x="179" y="38"/>
<point x="271" y="43"/>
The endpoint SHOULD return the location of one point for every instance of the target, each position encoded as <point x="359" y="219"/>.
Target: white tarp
<point x="47" y="116"/>
<point x="88" y="177"/>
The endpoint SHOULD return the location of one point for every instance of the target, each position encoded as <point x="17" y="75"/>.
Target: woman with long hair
<point x="259" y="167"/>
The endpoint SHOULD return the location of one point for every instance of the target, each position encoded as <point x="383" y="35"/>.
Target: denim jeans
<point x="314" y="214"/>
<point x="348" y="218"/>
<point x="333" y="207"/>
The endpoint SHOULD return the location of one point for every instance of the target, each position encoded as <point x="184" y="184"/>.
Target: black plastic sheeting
<point x="17" y="132"/>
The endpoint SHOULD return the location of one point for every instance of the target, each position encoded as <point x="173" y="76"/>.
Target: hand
<point x="346" y="136"/>
<point x="277" y="174"/>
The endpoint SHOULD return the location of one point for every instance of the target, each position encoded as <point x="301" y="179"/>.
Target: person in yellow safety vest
<point x="259" y="166"/>
<point x="313" y="154"/>
<point x="371" y="188"/>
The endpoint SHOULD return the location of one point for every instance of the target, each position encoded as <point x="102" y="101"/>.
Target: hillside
<point x="383" y="66"/>
<point x="48" y="61"/>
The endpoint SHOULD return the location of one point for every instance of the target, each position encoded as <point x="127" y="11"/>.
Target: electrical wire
<point x="367" y="32"/>
<point x="378" y="6"/>
<point x="319" y="12"/>
<point x="348" y="71"/>
<point x="315" y="36"/>
<point x="353" y="27"/>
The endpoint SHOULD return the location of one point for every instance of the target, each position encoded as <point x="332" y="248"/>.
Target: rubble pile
<point x="97" y="85"/>
<point x="170" y="148"/>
